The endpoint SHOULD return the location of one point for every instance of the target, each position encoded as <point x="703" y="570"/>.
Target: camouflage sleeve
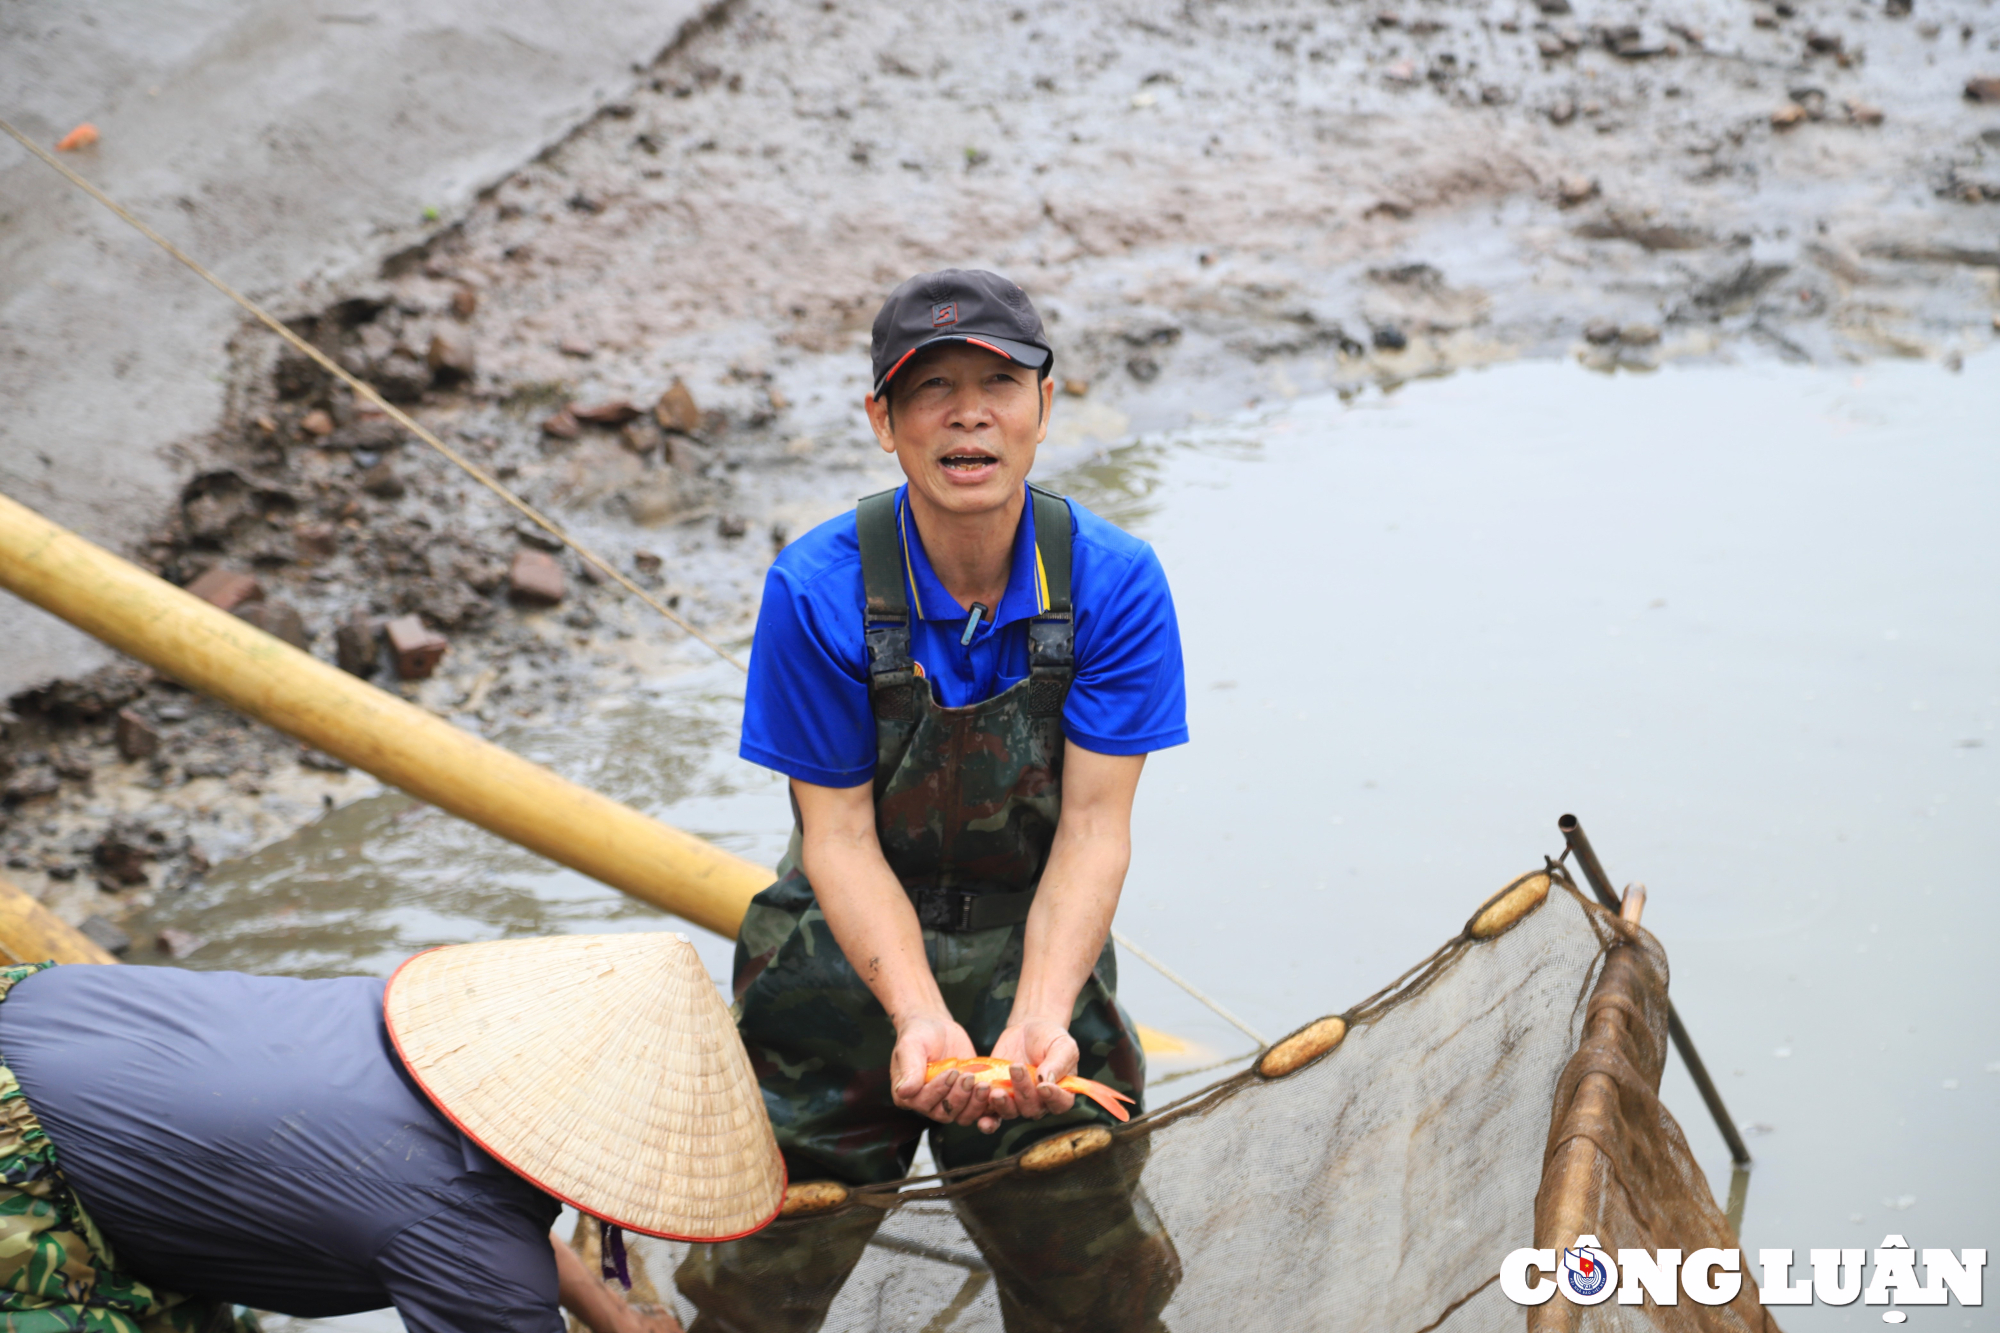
<point x="479" y="1266"/>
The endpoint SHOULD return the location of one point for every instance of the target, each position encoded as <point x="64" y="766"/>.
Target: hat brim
<point x="653" y="1122"/>
<point x="1027" y="354"/>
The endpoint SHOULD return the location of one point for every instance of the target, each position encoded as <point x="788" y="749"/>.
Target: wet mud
<point x="657" y="330"/>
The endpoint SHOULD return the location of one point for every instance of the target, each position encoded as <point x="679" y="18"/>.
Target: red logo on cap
<point x="944" y="315"/>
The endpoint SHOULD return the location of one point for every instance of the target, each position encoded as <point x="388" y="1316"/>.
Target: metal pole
<point x="1600" y="883"/>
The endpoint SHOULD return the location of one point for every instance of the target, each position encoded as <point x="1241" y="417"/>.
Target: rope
<point x="1190" y="988"/>
<point x="367" y="391"/>
<point x="478" y="474"/>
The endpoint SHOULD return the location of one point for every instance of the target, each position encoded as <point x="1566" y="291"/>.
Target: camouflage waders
<point x="966" y="805"/>
<point x="57" y="1274"/>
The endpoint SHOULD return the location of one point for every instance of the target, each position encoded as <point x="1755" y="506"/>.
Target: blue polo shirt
<point x="807" y="714"/>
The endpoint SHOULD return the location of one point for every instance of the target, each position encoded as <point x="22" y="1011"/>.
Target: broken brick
<point x="416" y="647"/>
<point x="226" y="588"/>
<point x="535" y="577"/>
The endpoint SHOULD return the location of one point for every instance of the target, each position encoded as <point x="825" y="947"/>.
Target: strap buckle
<point x="944" y="909"/>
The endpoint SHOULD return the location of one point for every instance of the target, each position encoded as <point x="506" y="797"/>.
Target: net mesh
<point x="1505" y="1088"/>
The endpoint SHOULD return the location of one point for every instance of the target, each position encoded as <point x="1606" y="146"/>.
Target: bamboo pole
<point x="31" y="933"/>
<point x="214" y="652"/>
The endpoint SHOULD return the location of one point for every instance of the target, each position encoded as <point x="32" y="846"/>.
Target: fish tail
<point x="1106" y="1097"/>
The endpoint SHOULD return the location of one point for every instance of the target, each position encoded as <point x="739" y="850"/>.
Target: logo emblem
<point x="1588" y="1275"/>
<point x="944" y="314"/>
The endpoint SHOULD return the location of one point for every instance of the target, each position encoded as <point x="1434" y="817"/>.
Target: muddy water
<point x="1741" y="619"/>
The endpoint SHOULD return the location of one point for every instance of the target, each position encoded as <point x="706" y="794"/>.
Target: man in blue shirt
<point x="962" y="681"/>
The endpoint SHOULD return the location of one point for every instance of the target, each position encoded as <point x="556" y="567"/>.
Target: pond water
<point x="1743" y="620"/>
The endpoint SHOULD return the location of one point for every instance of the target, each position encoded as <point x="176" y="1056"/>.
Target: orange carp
<point x="998" y="1074"/>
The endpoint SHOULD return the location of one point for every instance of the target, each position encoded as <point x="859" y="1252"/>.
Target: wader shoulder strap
<point x="886" y="616"/>
<point x="1052" y="538"/>
<point x="1052" y="634"/>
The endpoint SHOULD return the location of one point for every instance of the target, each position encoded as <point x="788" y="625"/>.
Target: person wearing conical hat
<point x="962" y="679"/>
<point x="176" y="1146"/>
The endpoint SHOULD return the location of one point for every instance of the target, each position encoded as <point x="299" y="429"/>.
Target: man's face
<point x="967" y="423"/>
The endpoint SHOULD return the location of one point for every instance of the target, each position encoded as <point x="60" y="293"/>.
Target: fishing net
<point x="1501" y="1091"/>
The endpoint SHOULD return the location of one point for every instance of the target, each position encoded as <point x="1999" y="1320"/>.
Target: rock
<point x="1389" y="338"/>
<point x="1400" y="210"/>
<point x="70" y="761"/>
<point x="1143" y="369"/>
<point x="1076" y="388"/>
<point x="136" y="737"/>
<point x="647" y="563"/>
<point x="641" y="437"/>
<point x="1574" y="190"/>
<point x="1638" y="335"/>
<point x="215" y="515"/>
<point x="1550" y="46"/>
<point x="538" y="537"/>
<point x="382" y="482"/>
<point x="1824" y="43"/>
<point x="104" y="690"/>
<point x="316" y="541"/>
<point x="464" y="302"/>
<point x="372" y="433"/>
<point x="451" y="357"/>
<point x="106" y="934"/>
<point x="562" y="426"/>
<point x="122" y="855"/>
<point x="1563" y="112"/>
<point x="31" y="784"/>
<point x="1897" y="9"/>
<point x="731" y="525"/>
<point x="280" y="620"/>
<point x="575" y="346"/>
<point x="1985" y="88"/>
<point x="676" y="409"/>
<point x="226" y="588"/>
<point x="611" y="412"/>
<point x="416" y="648"/>
<point x="1601" y="332"/>
<point x="1553" y="8"/>
<point x="357" y="647"/>
<point x="317" y="423"/>
<point x="320" y="760"/>
<point x="654" y="500"/>
<point x="400" y="377"/>
<point x="1788" y="116"/>
<point x="1862" y="113"/>
<point x="535" y="577"/>
<point x="178" y="944"/>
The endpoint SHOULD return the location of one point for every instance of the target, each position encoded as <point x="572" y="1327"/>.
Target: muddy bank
<point x="657" y="330"/>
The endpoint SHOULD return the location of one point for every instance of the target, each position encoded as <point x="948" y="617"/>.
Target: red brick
<point x="535" y="577"/>
<point x="417" y="648"/>
<point x="226" y="588"/>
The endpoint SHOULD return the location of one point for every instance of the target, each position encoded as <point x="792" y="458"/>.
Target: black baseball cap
<point x="967" y="305"/>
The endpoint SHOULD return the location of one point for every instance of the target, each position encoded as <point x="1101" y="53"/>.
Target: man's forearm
<point x="875" y="924"/>
<point x="1070" y="920"/>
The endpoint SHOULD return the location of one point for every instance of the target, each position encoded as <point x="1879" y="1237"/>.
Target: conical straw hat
<point x="604" y="1069"/>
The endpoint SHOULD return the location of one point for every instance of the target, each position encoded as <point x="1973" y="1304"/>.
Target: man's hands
<point x="600" y="1306"/>
<point x="955" y="1098"/>
<point x="949" y="1099"/>
<point x="1047" y="1046"/>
